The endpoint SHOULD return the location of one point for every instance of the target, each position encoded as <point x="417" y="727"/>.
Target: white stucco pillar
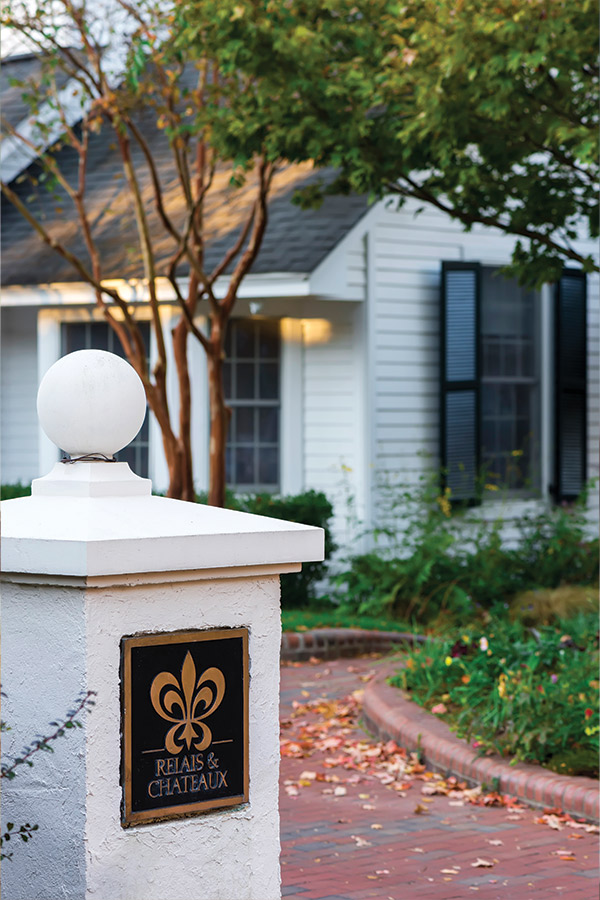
<point x="96" y="568"/>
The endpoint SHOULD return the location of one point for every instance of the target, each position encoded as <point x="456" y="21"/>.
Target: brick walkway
<point x="350" y="846"/>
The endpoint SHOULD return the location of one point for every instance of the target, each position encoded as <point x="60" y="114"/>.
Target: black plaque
<point x="184" y="723"/>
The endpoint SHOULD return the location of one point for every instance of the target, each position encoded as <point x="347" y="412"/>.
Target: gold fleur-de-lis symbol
<point x="180" y="704"/>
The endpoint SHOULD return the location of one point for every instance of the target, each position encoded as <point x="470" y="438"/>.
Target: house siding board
<point x="18" y="375"/>
<point x="331" y="416"/>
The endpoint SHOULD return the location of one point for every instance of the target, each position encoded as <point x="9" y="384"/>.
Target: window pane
<point x="268" y="340"/>
<point x="75" y="337"/>
<point x="244" y="425"/>
<point x="510" y="360"/>
<point x="244" y="339"/>
<point x="100" y="335"/>
<point x="244" y="465"/>
<point x="268" y="466"/>
<point x="269" y="381"/>
<point x="245" y="383"/>
<point x="268" y="430"/>
<point x="491" y="359"/>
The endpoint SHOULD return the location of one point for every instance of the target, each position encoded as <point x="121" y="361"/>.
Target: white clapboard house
<point x="368" y="343"/>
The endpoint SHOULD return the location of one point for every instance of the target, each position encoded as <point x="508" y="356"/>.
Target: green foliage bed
<point x="431" y="558"/>
<point x="531" y="694"/>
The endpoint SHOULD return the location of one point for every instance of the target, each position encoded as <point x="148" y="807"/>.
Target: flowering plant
<point x="527" y="693"/>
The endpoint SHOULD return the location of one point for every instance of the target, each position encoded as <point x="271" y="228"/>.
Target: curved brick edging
<point x="333" y="643"/>
<point x="389" y="715"/>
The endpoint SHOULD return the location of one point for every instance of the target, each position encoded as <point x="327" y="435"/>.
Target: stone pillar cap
<point x="93" y="517"/>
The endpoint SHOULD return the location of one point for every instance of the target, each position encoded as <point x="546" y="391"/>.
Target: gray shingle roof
<point x="23" y="68"/>
<point x="295" y="240"/>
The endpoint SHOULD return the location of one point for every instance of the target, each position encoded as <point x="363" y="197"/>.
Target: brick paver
<point x="331" y="851"/>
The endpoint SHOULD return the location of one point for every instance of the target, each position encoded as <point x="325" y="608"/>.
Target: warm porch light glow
<point x="316" y="331"/>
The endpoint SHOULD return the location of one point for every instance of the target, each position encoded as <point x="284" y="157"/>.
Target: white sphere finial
<point x="91" y="401"/>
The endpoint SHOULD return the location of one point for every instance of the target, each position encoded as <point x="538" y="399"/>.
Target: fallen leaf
<point x="417" y="850"/>
<point x="482" y="863"/>
<point x="496" y="843"/>
<point x="377" y="826"/>
<point x="567" y="856"/>
<point x="368" y="806"/>
<point x="305" y="693"/>
<point x="449" y="871"/>
<point x="552" y="822"/>
<point x="340" y="791"/>
<point x="382" y="871"/>
<point x="360" y="842"/>
<point x="419" y="810"/>
<point x="439" y="709"/>
<point x="364" y="796"/>
<point x="309" y="776"/>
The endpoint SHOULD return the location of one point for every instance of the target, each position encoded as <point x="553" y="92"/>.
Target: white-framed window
<point x="495" y="404"/>
<point x="510" y="383"/>
<point x="252" y="376"/>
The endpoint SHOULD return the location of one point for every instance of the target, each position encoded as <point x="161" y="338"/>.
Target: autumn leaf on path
<point x="482" y="863"/>
<point x="360" y="842"/>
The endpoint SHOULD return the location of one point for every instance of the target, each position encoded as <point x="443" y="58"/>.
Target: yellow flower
<point x="502" y="685"/>
<point x="517" y="453"/>
<point x="465" y="638"/>
<point x="448" y="660"/>
<point x="444" y="502"/>
<point x="491" y="487"/>
<point x="410" y="664"/>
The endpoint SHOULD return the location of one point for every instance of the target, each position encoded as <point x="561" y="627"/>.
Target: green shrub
<point x="298" y="589"/>
<point x="554" y="545"/>
<point x="12" y="491"/>
<point x="437" y="560"/>
<point x="531" y="694"/>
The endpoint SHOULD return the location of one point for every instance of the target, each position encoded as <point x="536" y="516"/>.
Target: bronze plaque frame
<point x="143" y="706"/>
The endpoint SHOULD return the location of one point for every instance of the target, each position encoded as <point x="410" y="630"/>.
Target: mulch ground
<point x="362" y="818"/>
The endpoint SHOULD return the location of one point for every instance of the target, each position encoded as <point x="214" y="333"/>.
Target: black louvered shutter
<point x="571" y="385"/>
<point x="459" y="425"/>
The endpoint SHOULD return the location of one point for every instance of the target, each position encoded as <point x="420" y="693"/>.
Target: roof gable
<point x="295" y="240"/>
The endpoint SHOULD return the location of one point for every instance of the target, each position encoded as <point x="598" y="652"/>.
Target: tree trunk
<point x="219" y="421"/>
<point x="180" y="333"/>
